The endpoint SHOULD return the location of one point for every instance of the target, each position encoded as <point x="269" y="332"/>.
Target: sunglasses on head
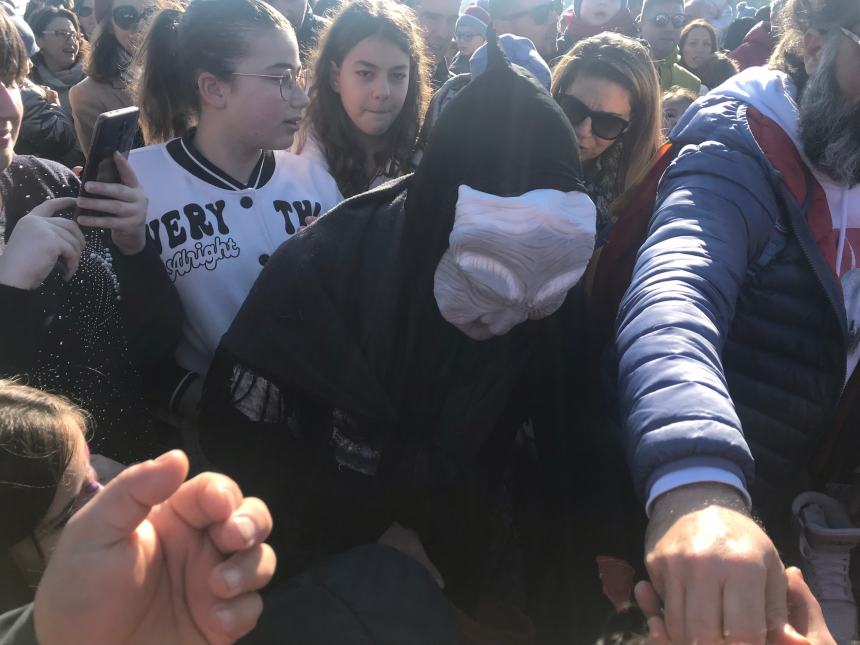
<point x="127" y="17"/>
<point x="541" y="13"/>
<point x="604" y="125"/>
<point x="84" y="12"/>
<point x="662" y="20"/>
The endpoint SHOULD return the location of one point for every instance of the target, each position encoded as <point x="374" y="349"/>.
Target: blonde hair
<point x="626" y="62"/>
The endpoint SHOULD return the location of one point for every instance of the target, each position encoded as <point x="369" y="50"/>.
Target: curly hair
<point x="795" y="19"/>
<point x="327" y="120"/>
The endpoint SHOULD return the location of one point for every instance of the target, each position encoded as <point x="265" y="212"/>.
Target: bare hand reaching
<point x="154" y="560"/>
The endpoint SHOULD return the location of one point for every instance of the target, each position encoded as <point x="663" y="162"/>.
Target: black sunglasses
<point x="541" y="13"/>
<point x="604" y="125"/>
<point x="84" y="12"/>
<point x="127" y="17"/>
<point x="662" y="20"/>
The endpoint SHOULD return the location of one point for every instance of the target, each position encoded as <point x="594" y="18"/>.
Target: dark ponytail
<point x="208" y="36"/>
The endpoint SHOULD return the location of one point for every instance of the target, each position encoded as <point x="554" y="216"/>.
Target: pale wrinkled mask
<point x="512" y="258"/>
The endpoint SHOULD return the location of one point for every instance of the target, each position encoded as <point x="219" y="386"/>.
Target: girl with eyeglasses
<point x="58" y="63"/>
<point x="221" y="99"/>
<point x="108" y="65"/>
<point x="370" y="91"/>
<point x="609" y="91"/>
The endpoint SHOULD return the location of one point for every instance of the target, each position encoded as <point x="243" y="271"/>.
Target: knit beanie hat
<point x="475" y="18"/>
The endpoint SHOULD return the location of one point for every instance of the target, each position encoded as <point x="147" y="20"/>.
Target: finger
<point x="126" y="172"/>
<point x="647" y="599"/>
<point x="209" y="498"/>
<point x="250" y="524"/>
<point x="235" y="618"/>
<point x="673" y="610"/>
<point x="71" y="227"/>
<point x="122" y="212"/>
<point x="51" y="207"/>
<point x="703" y="611"/>
<point x="125" y="502"/>
<point x="243" y="572"/>
<point x="657" y="634"/>
<point x="112" y="191"/>
<point x="743" y="606"/>
<point x="70" y="257"/>
<point x="776" y="594"/>
<point x="71" y="235"/>
<point x="805" y="613"/>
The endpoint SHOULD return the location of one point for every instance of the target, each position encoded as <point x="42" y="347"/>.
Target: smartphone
<point x="114" y="131"/>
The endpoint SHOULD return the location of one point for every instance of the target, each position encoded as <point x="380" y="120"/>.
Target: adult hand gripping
<point x="154" y="560"/>
<point x="718" y="574"/>
<point x="806" y="620"/>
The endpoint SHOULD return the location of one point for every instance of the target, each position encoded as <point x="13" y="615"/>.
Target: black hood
<point x="503" y="134"/>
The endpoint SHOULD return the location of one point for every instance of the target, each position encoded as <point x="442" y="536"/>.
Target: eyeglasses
<point x="541" y="13"/>
<point x="287" y="82"/>
<point x="464" y="37"/>
<point x="662" y="20"/>
<point x="127" y="17"/>
<point x="603" y="124"/>
<point x="84" y="12"/>
<point x="62" y="34"/>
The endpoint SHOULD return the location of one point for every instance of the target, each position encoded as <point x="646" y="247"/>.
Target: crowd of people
<point x="469" y="316"/>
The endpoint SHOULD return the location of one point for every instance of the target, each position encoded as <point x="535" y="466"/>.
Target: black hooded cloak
<point x="343" y="398"/>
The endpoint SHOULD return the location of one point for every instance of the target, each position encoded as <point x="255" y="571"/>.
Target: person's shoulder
<point x="147" y="153"/>
<point x="685" y="77"/>
<point x="306" y="170"/>
<point x="27" y="168"/>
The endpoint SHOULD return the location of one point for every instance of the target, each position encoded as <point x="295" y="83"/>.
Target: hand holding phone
<point x="122" y="211"/>
<point x="111" y="196"/>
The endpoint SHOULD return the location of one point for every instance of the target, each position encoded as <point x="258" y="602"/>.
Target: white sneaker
<point x="826" y="539"/>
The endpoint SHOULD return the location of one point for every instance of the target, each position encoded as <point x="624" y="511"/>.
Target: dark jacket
<point x="47" y="130"/>
<point x="732" y="338"/>
<point x="82" y="338"/>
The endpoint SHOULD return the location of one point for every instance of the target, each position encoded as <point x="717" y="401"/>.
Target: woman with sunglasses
<point x="108" y="65"/>
<point x="85" y="10"/>
<point x="370" y="92"/>
<point x="608" y="88"/>
<point x="57" y="65"/>
<point x="225" y="193"/>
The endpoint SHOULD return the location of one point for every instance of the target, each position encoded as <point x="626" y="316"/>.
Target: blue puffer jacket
<point x="732" y="338"/>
